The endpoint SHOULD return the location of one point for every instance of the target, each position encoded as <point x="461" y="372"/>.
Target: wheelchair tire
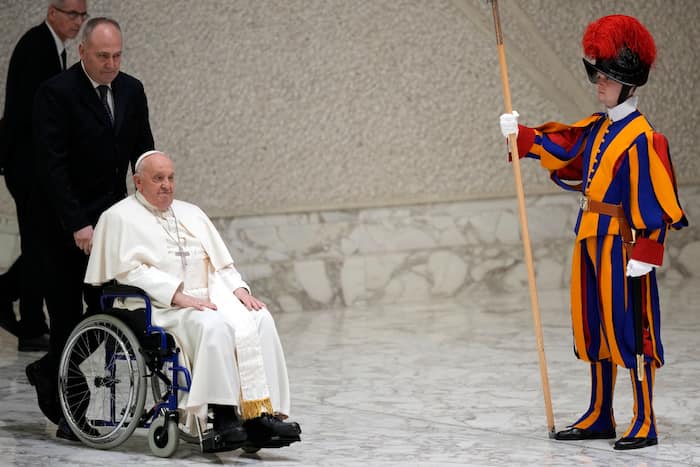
<point x="163" y="437"/>
<point x="102" y="359"/>
<point x="158" y="390"/>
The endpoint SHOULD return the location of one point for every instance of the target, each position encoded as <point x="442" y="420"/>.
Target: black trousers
<point x="65" y="291"/>
<point x="23" y="280"/>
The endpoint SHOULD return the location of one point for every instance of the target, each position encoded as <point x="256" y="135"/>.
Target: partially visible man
<point x="90" y="123"/>
<point x="39" y="55"/>
<point x="171" y="250"/>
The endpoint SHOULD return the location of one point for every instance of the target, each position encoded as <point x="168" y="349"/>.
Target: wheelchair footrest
<point x="213" y="442"/>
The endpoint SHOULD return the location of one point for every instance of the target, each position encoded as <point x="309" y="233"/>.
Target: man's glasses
<point x="72" y="14"/>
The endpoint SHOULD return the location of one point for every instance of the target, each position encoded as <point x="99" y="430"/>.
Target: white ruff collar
<point x="620" y="111"/>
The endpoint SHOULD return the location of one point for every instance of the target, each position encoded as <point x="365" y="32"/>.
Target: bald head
<point x="101" y="49"/>
<point x="155" y="179"/>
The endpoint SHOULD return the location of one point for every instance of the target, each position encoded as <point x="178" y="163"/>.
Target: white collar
<point x="142" y="199"/>
<point x="620" y="111"/>
<point x="60" y="46"/>
<point x="94" y="83"/>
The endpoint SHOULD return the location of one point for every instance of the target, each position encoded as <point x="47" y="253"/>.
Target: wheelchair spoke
<point x="82" y="349"/>
<point x="101" y="381"/>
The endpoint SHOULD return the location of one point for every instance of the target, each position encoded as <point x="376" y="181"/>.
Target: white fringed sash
<point x="255" y="394"/>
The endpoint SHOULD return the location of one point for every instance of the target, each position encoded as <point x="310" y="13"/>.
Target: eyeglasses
<point x="72" y="14"/>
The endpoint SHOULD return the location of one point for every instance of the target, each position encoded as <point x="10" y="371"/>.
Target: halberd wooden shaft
<point x="512" y="141"/>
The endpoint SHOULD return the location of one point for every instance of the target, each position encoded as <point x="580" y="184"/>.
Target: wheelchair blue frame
<point x="170" y="404"/>
<point x="153" y="350"/>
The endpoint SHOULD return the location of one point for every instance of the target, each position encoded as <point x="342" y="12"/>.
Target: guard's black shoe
<point x="268" y="429"/>
<point x="46" y="390"/>
<point x="635" y="443"/>
<point x="576" y="434"/>
<point x="33" y="344"/>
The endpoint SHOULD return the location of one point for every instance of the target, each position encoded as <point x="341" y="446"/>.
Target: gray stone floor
<point x="437" y="384"/>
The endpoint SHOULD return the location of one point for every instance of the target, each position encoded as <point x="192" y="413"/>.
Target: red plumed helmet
<point x="621" y="48"/>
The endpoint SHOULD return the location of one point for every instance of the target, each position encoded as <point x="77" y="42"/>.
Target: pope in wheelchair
<point x="227" y="387"/>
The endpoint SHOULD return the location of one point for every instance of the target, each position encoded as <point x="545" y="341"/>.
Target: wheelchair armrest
<point x="114" y="290"/>
<point x="121" y="290"/>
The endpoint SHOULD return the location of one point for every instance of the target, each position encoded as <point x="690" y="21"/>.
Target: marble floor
<point x="438" y="384"/>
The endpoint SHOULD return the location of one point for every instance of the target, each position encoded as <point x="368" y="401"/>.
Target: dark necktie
<point x="63" y="58"/>
<point x="103" y="89"/>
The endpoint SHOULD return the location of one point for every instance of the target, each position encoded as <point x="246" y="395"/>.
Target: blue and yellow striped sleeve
<point x="653" y="205"/>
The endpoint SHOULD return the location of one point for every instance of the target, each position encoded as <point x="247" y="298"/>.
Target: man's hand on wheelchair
<point x="83" y="239"/>
<point x="248" y="300"/>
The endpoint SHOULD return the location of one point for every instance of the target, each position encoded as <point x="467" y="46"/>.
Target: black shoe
<point x="576" y="434"/>
<point x="268" y="429"/>
<point x="233" y="435"/>
<point x="228" y="425"/>
<point x="46" y="390"/>
<point x="33" y="344"/>
<point x="7" y="319"/>
<point x="635" y="443"/>
<point x="64" y="432"/>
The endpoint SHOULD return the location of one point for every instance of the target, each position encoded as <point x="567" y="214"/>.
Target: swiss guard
<point x="628" y="203"/>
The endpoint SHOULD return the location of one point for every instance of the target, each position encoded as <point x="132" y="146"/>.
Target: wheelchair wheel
<point x="163" y="436"/>
<point x="102" y="387"/>
<point x="158" y="391"/>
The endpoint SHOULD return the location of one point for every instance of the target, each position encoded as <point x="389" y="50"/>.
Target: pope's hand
<point x="509" y="124"/>
<point x="637" y="268"/>
<point x="182" y="300"/>
<point x="248" y="300"/>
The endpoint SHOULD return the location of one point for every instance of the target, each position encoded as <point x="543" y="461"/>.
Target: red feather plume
<point x="607" y="35"/>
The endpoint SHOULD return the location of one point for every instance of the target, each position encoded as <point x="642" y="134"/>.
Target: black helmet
<point x="619" y="47"/>
<point x="626" y="68"/>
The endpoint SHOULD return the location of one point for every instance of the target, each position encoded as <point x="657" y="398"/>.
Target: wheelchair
<point x="104" y="372"/>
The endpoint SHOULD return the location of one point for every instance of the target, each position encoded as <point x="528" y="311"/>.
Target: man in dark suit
<point x="90" y="123"/>
<point x="39" y="55"/>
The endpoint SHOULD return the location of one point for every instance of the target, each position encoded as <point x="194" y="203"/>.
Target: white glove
<point x="637" y="268"/>
<point x="509" y="124"/>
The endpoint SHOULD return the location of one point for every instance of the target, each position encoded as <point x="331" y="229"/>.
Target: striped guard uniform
<point x="620" y="162"/>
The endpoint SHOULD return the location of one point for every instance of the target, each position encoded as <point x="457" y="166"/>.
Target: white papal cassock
<point x="138" y="245"/>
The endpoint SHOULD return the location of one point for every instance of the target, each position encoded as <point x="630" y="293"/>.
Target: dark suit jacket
<point x="83" y="159"/>
<point x="34" y="60"/>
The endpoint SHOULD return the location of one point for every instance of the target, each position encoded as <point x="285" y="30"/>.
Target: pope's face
<point x="156" y="181"/>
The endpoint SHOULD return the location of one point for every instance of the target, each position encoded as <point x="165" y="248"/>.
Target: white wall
<point x="295" y="105"/>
